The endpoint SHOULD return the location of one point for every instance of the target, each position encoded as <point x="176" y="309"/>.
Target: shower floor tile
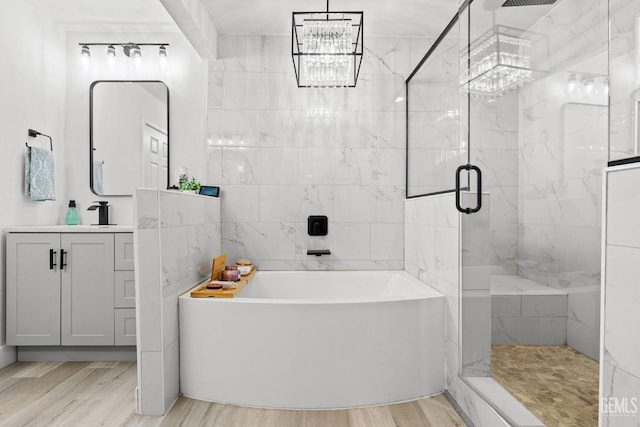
<point x="556" y="383"/>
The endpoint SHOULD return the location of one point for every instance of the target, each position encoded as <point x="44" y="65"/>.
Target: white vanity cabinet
<point x="33" y="289"/>
<point x="65" y="289"/>
<point x="124" y="291"/>
<point x="86" y="304"/>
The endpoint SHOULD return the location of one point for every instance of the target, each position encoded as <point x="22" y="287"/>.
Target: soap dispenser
<point x="72" y="217"/>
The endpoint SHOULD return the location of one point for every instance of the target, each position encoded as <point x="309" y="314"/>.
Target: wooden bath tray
<point x="202" y="291"/>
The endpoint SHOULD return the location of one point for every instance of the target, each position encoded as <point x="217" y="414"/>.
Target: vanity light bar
<point x="131" y="50"/>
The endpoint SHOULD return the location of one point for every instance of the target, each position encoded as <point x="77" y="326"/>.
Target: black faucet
<point x="103" y="212"/>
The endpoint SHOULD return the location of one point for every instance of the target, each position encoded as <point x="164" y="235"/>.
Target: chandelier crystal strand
<point x="501" y="62"/>
<point x="328" y="45"/>
<point x="327" y="48"/>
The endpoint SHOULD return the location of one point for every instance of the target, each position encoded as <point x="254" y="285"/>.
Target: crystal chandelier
<point x="500" y="61"/>
<point x="327" y="48"/>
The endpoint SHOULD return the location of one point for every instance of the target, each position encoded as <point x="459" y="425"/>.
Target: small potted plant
<point x="184" y="184"/>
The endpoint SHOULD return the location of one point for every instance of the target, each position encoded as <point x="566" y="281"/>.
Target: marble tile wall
<point x="433" y="252"/>
<point x="176" y="237"/>
<point x="562" y="151"/>
<point x="494" y="148"/>
<point x="624" y="78"/>
<point x="529" y="319"/>
<point x="431" y="235"/>
<point x="434" y="120"/>
<point x="281" y="153"/>
<point x="620" y="363"/>
<point x="476" y="265"/>
<point x="620" y="367"/>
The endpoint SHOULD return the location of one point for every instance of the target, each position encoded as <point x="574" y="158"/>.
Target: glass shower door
<point x="533" y="97"/>
<point x="433" y="116"/>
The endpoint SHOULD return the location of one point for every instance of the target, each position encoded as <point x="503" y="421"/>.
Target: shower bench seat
<point x="527" y="312"/>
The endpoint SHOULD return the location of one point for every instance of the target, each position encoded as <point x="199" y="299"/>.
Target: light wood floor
<point x="556" y="383"/>
<point x="101" y="394"/>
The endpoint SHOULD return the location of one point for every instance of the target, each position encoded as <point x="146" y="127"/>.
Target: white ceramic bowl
<point x="244" y="269"/>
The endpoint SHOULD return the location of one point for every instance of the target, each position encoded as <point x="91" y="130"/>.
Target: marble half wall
<point x="620" y="348"/>
<point x="176" y="237"/>
<point x="281" y="153"/>
<point x="433" y="249"/>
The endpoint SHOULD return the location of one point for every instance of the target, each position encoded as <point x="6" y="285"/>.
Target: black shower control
<point x="318" y="252"/>
<point x="317" y="225"/>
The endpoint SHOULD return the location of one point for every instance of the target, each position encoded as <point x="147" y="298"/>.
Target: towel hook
<point x="34" y="133"/>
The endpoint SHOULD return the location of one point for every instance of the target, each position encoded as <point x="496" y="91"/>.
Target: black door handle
<point x="63" y="262"/>
<point x="478" y="206"/>
<point x="52" y="259"/>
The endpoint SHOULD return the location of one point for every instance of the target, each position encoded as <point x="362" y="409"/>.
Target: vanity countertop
<point x="71" y="229"/>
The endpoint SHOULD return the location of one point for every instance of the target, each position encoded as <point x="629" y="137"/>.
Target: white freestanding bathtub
<point x="315" y="340"/>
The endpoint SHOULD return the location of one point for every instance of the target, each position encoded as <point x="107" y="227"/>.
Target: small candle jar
<point x="230" y="274"/>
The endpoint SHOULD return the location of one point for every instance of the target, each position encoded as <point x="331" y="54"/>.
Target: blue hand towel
<point x="39" y="174"/>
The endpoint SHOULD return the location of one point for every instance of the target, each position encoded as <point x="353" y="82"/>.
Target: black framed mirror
<point x="129" y="136"/>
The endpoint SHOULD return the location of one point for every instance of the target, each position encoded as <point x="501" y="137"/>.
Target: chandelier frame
<point x="299" y="56"/>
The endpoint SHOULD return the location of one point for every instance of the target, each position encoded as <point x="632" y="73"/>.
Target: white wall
<point x="282" y="153"/>
<point x="32" y="83"/>
<point x="184" y="74"/>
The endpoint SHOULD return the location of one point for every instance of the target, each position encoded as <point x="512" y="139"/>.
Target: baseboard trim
<point x="76" y="354"/>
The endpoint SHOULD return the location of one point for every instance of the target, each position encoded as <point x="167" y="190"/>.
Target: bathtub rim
<point x="427" y="292"/>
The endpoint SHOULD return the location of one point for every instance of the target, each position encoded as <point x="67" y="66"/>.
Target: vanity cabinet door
<point x="87" y="289"/>
<point x="125" y="321"/>
<point x="33" y="289"/>
<point x="124" y="251"/>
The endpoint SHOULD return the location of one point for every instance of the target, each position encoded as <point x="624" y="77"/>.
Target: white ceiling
<point x="381" y="17"/>
<point x="402" y="18"/>
<point x="426" y="18"/>
<point x="105" y="14"/>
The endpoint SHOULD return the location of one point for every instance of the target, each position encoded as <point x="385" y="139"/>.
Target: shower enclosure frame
<point x="462" y="23"/>
<point x="460" y="188"/>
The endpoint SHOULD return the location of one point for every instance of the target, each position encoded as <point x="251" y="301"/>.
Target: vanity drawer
<point x="125" y="326"/>
<point x="124" y="251"/>
<point x="124" y="289"/>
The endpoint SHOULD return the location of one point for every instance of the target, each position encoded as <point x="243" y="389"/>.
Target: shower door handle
<point x="469" y="167"/>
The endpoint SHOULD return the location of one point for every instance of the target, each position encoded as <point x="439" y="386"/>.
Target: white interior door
<point x="155" y="158"/>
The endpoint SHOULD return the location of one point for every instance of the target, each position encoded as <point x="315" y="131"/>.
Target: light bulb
<point x="572" y="84"/>
<point x="589" y="87"/>
<point x="85" y="56"/>
<point x="111" y="51"/>
<point x="162" y="51"/>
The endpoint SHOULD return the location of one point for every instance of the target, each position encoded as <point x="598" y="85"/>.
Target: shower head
<point x="509" y="3"/>
<point x="492" y="5"/>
